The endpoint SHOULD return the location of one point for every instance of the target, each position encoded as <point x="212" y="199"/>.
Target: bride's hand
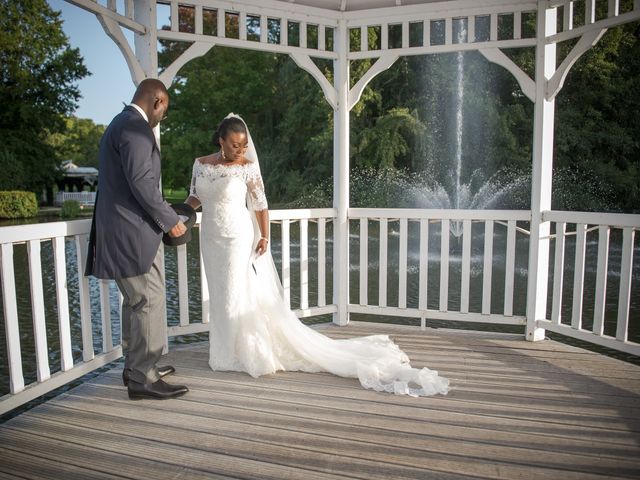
<point x="262" y="246"/>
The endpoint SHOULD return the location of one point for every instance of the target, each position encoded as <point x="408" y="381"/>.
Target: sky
<point x="110" y="83"/>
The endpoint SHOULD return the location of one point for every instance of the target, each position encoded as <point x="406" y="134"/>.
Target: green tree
<point x="597" y="124"/>
<point x="39" y="71"/>
<point x="79" y="142"/>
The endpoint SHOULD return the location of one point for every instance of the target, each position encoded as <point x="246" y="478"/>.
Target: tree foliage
<point x="79" y="142"/>
<point x="39" y="71"/>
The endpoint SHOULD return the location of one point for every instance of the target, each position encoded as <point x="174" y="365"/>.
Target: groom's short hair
<point x="149" y="88"/>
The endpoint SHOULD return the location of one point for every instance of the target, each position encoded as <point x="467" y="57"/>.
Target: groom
<point x="129" y="219"/>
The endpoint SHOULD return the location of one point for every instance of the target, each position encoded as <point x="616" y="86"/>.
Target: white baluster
<point x="448" y="31"/>
<point x="364" y="260"/>
<point x="322" y="299"/>
<point x="465" y="275"/>
<point x="286" y="262"/>
<point x="624" y="298"/>
<point x="590" y="11"/>
<point x="402" y="264"/>
<point x="198" y="20"/>
<point x="183" y="284"/>
<point x="614" y="8"/>
<point x="567" y="16"/>
<point x="558" y="274"/>
<point x="304" y="263"/>
<point x="62" y="297"/>
<point x="105" y="315"/>
<point x="382" y="278"/>
<point x="494" y="27"/>
<point x="322" y="38"/>
<point x="364" y="38"/>
<point x="424" y="264"/>
<point x="487" y="266"/>
<point x="517" y="25"/>
<point x="11" y="327"/>
<point x="405" y="34"/>
<point x="471" y="29"/>
<point x="37" y="308"/>
<point x="264" y="29"/>
<point x="601" y="279"/>
<point x="175" y="20"/>
<point x="242" y="24"/>
<point x="444" y="266"/>
<point x="578" y="279"/>
<point x="303" y="34"/>
<point x="510" y="269"/>
<point x="221" y="17"/>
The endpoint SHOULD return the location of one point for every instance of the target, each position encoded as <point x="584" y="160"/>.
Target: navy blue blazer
<point x="130" y="215"/>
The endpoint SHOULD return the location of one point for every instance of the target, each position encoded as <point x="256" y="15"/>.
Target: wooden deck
<point x="517" y="410"/>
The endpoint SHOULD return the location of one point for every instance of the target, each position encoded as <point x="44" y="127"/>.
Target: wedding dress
<point x="252" y="328"/>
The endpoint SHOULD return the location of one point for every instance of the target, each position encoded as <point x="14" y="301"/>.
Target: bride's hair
<point x="227" y="126"/>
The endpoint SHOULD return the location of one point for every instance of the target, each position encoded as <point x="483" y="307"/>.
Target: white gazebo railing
<point x="66" y="240"/>
<point x="591" y="237"/>
<point x="416" y="251"/>
<point x="413" y="227"/>
<point x="83" y="198"/>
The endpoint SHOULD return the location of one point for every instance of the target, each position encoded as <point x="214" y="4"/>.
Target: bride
<point x="252" y="328"/>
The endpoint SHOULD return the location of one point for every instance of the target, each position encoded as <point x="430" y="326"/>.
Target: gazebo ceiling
<point x="356" y="5"/>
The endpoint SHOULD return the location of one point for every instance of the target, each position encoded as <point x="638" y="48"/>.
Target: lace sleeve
<point x="192" y="190"/>
<point x="255" y="188"/>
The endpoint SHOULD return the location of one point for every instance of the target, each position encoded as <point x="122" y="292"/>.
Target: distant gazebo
<point x="77" y="179"/>
<point x="76" y="183"/>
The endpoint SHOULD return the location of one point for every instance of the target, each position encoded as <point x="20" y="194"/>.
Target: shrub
<point x="70" y="209"/>
<point x="17" y="204"/>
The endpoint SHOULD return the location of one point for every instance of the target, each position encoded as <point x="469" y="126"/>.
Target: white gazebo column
<point x="541" y="174"/>
<point x="146" y="49"/>
<point x="146" y="44"/>
<point x="341" y="177"/>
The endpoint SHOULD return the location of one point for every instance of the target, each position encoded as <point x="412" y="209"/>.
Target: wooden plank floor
<point x="516" y="410"/>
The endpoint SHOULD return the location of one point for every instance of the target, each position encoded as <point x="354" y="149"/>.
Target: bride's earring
<point x="224" y="157"/>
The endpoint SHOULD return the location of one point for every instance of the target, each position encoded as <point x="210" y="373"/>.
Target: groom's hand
<point x="177" y="230"/>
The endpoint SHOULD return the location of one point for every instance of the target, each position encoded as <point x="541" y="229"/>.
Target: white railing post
<point x="541" y="175"/>
<point x="341" y="177"/>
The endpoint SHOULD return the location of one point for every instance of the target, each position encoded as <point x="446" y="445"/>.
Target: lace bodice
<point x="249" y="174"/>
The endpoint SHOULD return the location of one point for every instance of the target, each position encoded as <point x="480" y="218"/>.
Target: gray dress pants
<point x="144" y="321"/>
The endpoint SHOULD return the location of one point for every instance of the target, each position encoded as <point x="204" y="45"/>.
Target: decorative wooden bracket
<point x="195" y="50"/>
<point x="382" y="64"/>
<point x="114" y="32"/>
<point x="588" y="40"/>
<point x="497" y="56"/>
<point x="305" y="62"/>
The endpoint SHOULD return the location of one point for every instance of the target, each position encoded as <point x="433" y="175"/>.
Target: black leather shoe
<point x="159" y="390"/>
<point x="162" y="371"/>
